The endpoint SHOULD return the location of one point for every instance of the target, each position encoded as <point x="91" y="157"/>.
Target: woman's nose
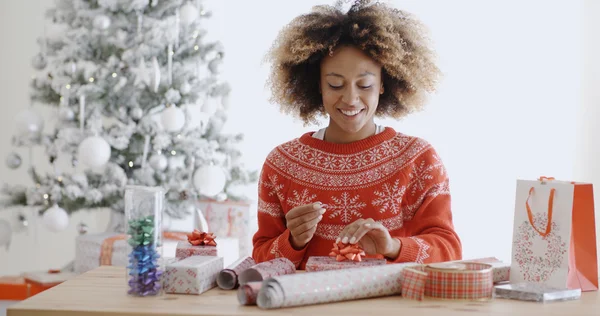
<point x="350" y="96"/>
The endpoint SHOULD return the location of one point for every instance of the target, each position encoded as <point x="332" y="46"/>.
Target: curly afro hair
<point x="393" y="38"/>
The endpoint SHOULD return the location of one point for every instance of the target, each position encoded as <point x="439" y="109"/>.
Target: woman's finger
<point x="362" y="230"/>
<point x="349" y="230"/>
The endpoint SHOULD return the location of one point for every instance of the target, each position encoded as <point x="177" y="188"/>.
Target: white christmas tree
<point x="139" y="100"/>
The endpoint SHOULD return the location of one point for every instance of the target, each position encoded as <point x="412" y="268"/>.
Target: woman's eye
<point x="334" y="87"/>
<point x="365" y="87"/>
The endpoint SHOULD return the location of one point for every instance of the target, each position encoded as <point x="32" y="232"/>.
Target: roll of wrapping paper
<point x="331" y="286"/>
<point x="455" y="281"/>
<point x="267" y="269"/>
<point x="228" y="277"/>
<point x="248" y="293"/>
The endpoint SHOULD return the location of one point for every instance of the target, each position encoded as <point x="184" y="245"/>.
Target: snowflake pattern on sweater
<point x="395" y="179"/>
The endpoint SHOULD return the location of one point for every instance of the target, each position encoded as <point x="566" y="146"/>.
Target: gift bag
<point x="554" y="236"/>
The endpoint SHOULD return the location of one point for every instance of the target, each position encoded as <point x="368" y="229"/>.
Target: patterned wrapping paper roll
<point x="228" y="277"/>
<point x="331" y="286"/>
<point x="267" y="269"/>
<point x="248" y="293"/>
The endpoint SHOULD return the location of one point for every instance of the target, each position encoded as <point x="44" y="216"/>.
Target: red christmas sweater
<point x="395" y="179"/>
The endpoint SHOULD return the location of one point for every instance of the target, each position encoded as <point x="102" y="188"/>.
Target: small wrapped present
<point x="44" y="280"/>
<point x="230" y="219"/>
<point x="14" y="288"/>
<point x="536" y="292"/>
<point x="94" y="250"/>
<point x="342" y="256"/>
<point x="198" y="244"/>
<point x="193" y="275"/>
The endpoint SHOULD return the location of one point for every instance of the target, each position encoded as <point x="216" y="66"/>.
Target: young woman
<point x="354" y="181"/>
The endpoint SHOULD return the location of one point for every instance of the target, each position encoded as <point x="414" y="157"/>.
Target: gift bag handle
<point x="550" y="207"/>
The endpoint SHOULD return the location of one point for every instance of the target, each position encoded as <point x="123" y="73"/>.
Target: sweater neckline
<point x="348" y="148"/>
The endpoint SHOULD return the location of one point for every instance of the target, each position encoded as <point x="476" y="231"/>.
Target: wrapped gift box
<point x="94" y="250"/>
<point x="536" y="292"/>
<point x="325" y="263"/>
<point x="229" y="219"/>
<point x="185" y="250"/>
<point x="41" y="281"/>
<point x="193" y="275"/>
<point x="14" y="288"/>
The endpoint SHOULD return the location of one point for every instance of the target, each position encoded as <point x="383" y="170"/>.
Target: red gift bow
<point x="198" y="238"/>
<point x="343" y="252"/>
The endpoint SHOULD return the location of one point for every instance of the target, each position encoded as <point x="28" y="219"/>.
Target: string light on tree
<point x="101" y="22"/>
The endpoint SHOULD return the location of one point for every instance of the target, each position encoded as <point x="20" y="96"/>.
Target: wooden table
<point x="103" y="292"/>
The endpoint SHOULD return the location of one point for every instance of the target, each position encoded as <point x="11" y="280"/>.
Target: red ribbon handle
<point x="550" y="209"/>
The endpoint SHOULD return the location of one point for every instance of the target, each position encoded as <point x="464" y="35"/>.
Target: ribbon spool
<point x="454" y="281"/>
<point x="106" y="249"/>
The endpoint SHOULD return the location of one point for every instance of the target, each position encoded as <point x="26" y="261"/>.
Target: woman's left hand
<point x="373" y="237"/>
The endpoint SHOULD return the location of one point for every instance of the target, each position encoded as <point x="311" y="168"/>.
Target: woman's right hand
<point x="302" y="222"/>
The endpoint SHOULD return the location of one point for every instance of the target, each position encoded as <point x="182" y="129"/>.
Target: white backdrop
<point x="507" y="108"/>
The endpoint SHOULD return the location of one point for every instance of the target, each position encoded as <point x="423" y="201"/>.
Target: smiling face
<point x="350" y="87"/>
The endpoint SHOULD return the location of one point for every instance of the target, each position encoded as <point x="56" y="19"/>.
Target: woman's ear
<point x="381" y="88"/>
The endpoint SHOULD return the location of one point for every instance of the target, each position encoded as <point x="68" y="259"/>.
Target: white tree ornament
<point x="209" y="180"/>
<point x="155" y="78"/>
<point x="141" y="73"/>
<point x="55" y="219"/>
<point x="188" y="13"/>
<point x="94" y="152"/>
<point x="158" y="162"/>
<point x="172" y="119"/>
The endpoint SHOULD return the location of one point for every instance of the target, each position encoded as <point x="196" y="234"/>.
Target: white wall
<point x="587" y="166"/>
<point x="507" y="108"/>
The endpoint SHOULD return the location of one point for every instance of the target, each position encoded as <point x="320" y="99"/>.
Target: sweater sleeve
<point x="272" y="240"/>
<point x="430" y="231"/>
